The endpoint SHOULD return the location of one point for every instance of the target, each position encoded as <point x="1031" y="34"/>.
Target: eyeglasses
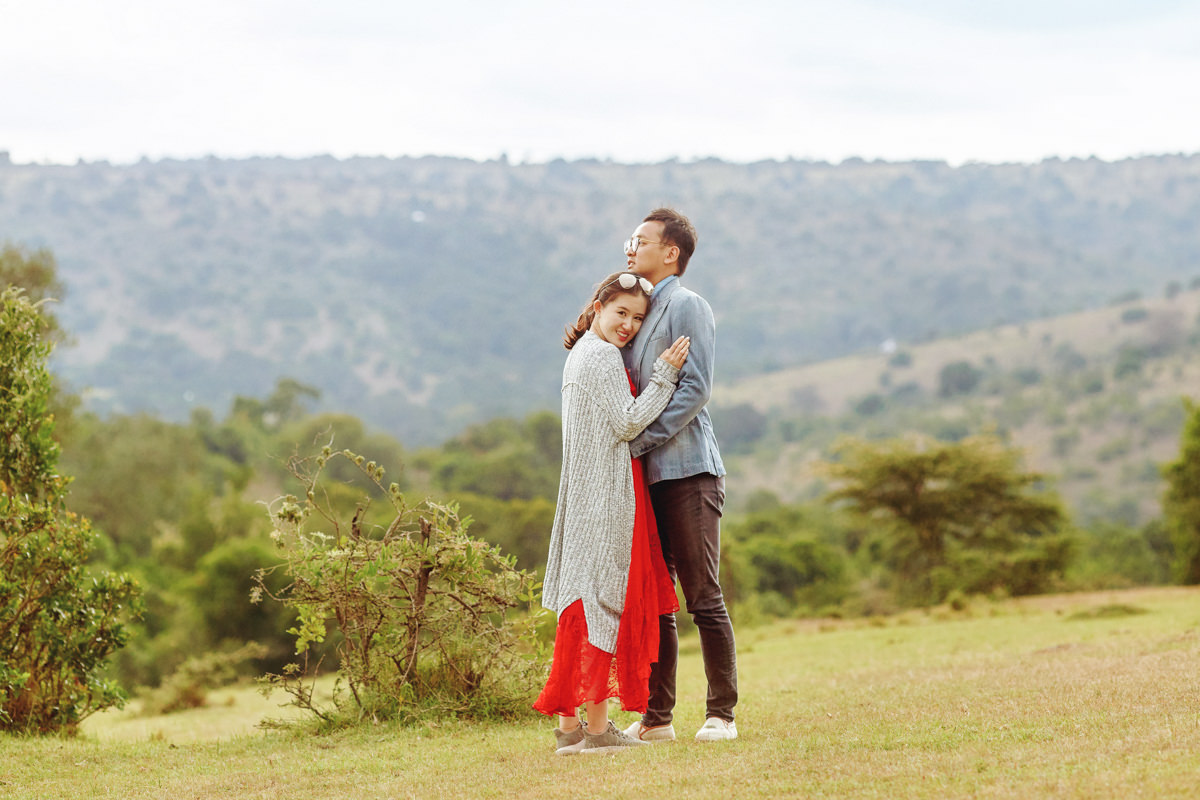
<point x="627" y="280"/>
<point x="635" y="242"/>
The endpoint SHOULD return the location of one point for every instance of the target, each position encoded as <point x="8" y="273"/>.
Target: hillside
<point x="423" y="294"/>
<point x="1093" y="398"/>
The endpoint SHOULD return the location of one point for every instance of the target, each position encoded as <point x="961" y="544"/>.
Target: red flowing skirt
<point x="582" y="672"/>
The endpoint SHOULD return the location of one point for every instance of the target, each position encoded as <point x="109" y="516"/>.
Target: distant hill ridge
<point x="426" y="293"/>
<point x="1094" y="400"/>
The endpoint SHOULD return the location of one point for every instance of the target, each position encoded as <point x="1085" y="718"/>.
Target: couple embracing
<point x="639" y="505"/>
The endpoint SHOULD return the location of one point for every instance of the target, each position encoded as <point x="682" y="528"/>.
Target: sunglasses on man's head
<point x="627" y="280"/>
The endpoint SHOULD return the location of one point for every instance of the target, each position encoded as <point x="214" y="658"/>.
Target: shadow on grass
<point x="1109" y="611"/>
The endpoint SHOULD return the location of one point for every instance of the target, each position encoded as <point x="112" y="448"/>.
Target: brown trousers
<point x="688" y="512"/>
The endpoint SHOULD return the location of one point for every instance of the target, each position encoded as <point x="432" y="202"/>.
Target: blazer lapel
<point x="646" y="334"/>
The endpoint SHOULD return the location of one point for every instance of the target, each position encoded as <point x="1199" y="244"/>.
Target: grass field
<point x="1068" y="696"/>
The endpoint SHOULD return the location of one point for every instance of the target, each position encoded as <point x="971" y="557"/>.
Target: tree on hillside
<point x="953" y="516"/>
<point x="58" y="622"/>
<point x="286" y="404"/>
<point x="1181" y="501"/>
<point x="959" y="377"/>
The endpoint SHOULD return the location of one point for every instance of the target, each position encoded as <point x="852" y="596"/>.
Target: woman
<point x="605" y="575"/>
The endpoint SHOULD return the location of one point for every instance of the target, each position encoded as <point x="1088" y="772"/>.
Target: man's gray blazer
<point x="681" y="442"/>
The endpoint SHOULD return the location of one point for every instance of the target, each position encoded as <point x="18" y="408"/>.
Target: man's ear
<point x="672" y="256"/>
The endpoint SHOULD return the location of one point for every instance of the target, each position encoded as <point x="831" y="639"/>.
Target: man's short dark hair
<point x="677" y="230"/>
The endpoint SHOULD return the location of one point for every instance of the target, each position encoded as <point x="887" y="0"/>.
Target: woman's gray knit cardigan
<point x="593" y="523"/>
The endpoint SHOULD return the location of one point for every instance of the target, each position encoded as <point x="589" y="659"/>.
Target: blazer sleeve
<point x="691" y="316"/>
<point x="608" y="386"/>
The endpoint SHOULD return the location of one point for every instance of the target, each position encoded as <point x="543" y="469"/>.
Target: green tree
<point x="1130" y="360"/>
<point x="58" y="623"/>
<point x="34" y="271"/>
<point x="959" y="515"/>
<point x="1181" y="501"/>
<point x="137" y="474"/>
<point x="285" y="404"/>
<point x="519" y="527"/>
<point x="785" y="560"/>
<point x="503" y="458"/>
<point x="958" y="377"/>
<point x="1114" y="555"/>
<point x="220" y="591"/>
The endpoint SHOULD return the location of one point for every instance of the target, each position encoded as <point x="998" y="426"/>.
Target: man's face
<point x="647" y="254"/>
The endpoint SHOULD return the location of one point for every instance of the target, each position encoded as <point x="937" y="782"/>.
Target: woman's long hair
<point x="605" y="291"/>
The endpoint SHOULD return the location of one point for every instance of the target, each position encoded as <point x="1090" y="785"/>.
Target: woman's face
<point x="618" y="321"/>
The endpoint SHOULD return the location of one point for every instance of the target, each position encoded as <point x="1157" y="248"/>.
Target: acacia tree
<point x="58" y="622"/>
<point x="1181" y="501"/>
<point x="952" y="516"/>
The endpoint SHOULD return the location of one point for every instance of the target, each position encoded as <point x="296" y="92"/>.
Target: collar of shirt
<point x="658" y="287"/>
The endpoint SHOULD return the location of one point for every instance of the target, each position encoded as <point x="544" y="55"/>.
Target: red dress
<point x="581" y="671"/>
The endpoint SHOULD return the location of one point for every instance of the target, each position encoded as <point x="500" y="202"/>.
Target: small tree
<point x="427" y="619"/>
<point x="953" y="516"/>
<point x="58" y="623"/>
<point x="958" y="377"/>
<point x="1181" y="501"/>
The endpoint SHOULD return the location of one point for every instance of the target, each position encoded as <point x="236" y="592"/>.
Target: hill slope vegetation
<point x="425" y="294"/>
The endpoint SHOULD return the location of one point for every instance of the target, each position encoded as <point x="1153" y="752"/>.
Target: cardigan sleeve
<point x="608" y="386"/>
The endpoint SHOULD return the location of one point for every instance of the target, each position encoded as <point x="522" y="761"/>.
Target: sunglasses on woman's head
<point x="627" y="280"/>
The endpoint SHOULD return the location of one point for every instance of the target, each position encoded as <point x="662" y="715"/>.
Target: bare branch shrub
<point x="425" y="619"/>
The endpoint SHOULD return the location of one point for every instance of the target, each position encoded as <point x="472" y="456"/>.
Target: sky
<point x="635" y="82"/>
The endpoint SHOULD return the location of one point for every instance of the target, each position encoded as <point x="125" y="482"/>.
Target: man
<point x="686" y="476"/>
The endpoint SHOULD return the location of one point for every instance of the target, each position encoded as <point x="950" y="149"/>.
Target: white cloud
<point x="625" y="80"/>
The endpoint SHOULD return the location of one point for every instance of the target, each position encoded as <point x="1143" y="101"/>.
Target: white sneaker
<point x="716" y="729"/>
<point x="659" y="733"/>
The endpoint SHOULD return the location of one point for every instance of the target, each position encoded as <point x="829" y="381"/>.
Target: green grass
<point x="1038" y="697"/>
